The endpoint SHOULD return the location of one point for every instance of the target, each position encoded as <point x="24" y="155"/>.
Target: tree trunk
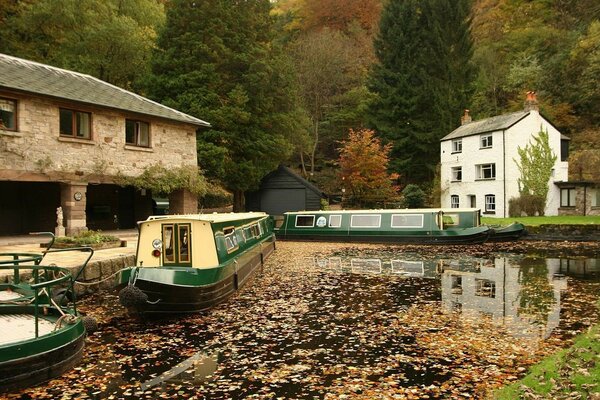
<point x="303" y="165"/>
<point x="314" y="149"/>
<point x="239" y="202"/>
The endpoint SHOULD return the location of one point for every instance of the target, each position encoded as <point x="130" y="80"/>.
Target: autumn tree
<point x="421" y="80"/>
<point x="111" y="40"/>
<point x="363" y="166"/>
<point x="217" y="61"/>
<point x="535" y="163"/>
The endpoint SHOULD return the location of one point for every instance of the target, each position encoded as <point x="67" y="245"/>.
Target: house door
<point x="472" y="202"/>
<point x="177" y="249"/>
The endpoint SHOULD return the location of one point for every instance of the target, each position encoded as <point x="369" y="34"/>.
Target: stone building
<point x="65" y="137"/>
<point x="478" y="167"/>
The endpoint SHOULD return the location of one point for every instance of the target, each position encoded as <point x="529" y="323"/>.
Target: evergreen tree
<point x="421" y="80"/>
<point x="216" y="60"/>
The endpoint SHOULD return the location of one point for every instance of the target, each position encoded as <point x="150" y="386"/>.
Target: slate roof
<point x="498" y="123"/>
<point x="32" y="77"/>
<point x="290" y="172"/>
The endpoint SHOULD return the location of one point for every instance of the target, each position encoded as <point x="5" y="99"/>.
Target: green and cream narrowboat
<point x="41" y="333"/>
<point x="427" y="226"/>
<point x="188" y="263"/>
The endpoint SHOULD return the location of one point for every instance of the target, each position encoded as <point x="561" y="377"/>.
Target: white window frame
<point x="595" y="197"/>
<point x="457" y="145"/>
<point x="378" y="216"/>
<point x="420" y="218"/>
<point x="481" y="168"/>
<point x="338" y="221"/>
<point x="305" y="216"/>
<point x="489" y="204"/>
<point x="454" y="201"/>
<point x="486" y="141"/>
<point x="456" y="174"/>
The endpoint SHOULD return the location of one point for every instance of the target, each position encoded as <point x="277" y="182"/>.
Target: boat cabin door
<point x="177" y="249"/>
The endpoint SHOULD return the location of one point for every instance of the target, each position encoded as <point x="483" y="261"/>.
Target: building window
<point x="454" y="201"/>
<point x="595" y="197"/>
<point x="76" y="124"/>
<point x="490" y="203"/>
<point x="137" y="133"/>
<point x="457" y="146"/>
<point x="486" y="171"/>
<point x="567" y="197"/>
<point x="8" y="114"/>
<point x="486" y="141"/>
<point x="485" y="288"/>
<point x="456" y="174"/>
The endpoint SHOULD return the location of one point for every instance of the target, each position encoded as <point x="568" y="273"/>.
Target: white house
<point x="478" y="167"/>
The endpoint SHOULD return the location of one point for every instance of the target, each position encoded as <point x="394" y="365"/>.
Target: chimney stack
<point x="531" y="102"/>
<point x="466" y="118"/>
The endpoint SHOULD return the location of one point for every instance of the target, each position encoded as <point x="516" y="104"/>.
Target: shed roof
<point x="498" y="123"/>
<point x="291" y="173"/>
<point x="32" y="77"/>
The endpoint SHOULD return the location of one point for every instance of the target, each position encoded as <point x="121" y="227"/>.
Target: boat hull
<point x="188" y="289"/>
<point x="511" y="232"/>
<point x="31" y="362"/>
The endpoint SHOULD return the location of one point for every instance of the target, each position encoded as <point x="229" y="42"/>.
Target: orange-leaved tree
<point x="363" y="166"/>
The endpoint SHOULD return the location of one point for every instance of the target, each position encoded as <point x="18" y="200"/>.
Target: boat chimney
<point x="531" y="102"/>
<point x="466" y="118"/>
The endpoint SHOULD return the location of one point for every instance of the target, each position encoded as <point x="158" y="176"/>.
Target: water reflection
<point x="195" y="370"/>
<point x="522" y="293"/>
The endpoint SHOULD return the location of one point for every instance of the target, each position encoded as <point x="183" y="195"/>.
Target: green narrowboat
<point x="188" y="263"/>
<point x="426" y="226"/>
<point x="41" y="333"/>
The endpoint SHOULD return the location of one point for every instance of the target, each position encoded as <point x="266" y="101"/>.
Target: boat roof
<point x="387" y="211"/>
<point x="212" y="218"/>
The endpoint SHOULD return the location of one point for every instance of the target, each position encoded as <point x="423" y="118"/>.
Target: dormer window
<point x="457" y="146"/>
<point x="486" y="141"/>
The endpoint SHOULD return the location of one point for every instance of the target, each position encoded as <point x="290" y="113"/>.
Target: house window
<point x="454" y="201"/>
<point x="486" y="141"/>
<point x="137" y="133"/>
<point x="457" y="146"/>
<point x="76" y="124"/>
<point x="365" y="221"/>
<point x="8" y="114"/>
<point x="335" y="221"/>
<point x="595" y="197"/>
<point x="486" y="171"/>
<point x="305" y="221"/>
<point x="490" y="203"/>
<point x="456" y="174"/>
<point x="485" y="288"/>
<point x="567" y="197"/>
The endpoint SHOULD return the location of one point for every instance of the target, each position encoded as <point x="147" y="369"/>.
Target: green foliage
<point x="535" y="163"/>
<point x="217" y="61"/>
<point x="162" y="181"/>
<point x="363" y="170"/>
<point x="526" y="204"/>
<point x="86" y="238"/>
<point x="86" y="36"/>
<point x="413" y="196"/>
<point x="421" y="80"/>
<point x="215" y="197"/>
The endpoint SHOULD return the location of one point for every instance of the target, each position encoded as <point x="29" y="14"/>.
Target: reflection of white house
<point x="477" y="160"/>
<point x="495" y="292"/>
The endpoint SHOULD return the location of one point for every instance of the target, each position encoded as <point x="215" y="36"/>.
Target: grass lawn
<point x="535" y="221"/>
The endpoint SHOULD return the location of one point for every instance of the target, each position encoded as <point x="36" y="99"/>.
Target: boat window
<point x="184" y="236"/>
<point x="365" y="221"/>
<point x="305" y="221"/>
<point x="450" y="220"/>
<point x="335" y="221"/>
<point x="168" y="243"/>
<point x="231" y="240"/>
<point x="228" y="231"/>
<point x="407" y="220"/>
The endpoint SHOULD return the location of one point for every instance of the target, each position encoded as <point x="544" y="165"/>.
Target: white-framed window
<point x="485" y="171"/>
<point x="457" y="146"/>
<point x="595" y="197"/>
<point x="137" y="133"/>
<point x="486" y="141"/>
<point x="454" y="201"/>
<point x="335" y="221"/>
<point x="365" y="221"/>
<point x="490" y="203"/>
<point x="485" y="288"/>
<point x="305" y="221"/>
<point x="567" y="197"/>
<point x="456" y="174"/>
<point x="8" y="114"/>
<point x="231" y="239"/>
<point x="407" y="220"/>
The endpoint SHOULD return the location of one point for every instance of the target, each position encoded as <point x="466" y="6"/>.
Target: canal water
<point x="325" y="321"/>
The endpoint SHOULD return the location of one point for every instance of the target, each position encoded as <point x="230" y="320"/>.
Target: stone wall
<point x="563" y="232"/>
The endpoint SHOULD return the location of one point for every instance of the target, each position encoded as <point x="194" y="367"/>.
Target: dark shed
<point x="283" y="190"/>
